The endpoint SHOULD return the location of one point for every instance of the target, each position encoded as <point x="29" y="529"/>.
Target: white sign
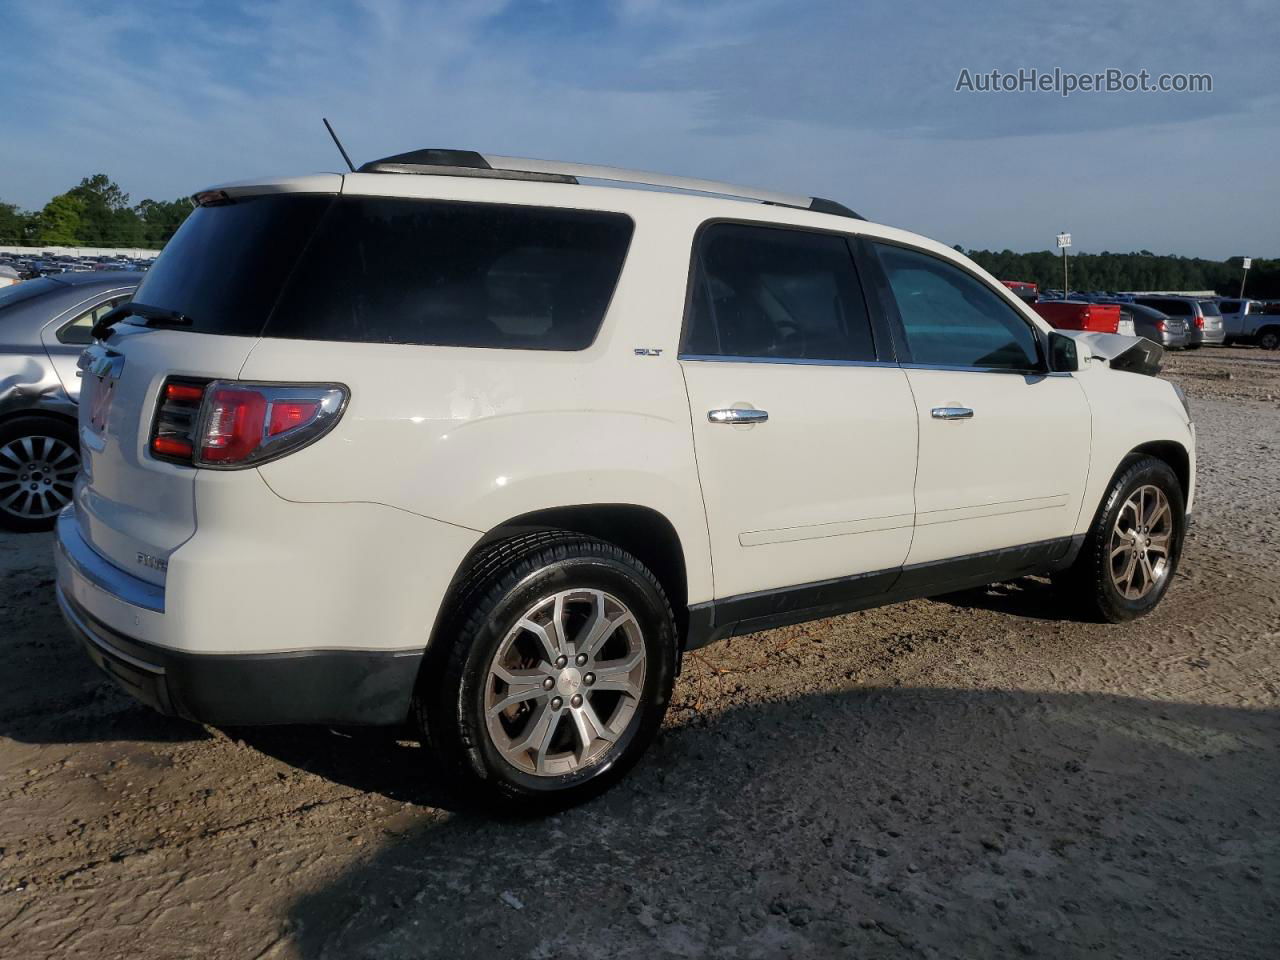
<point x="1248" y="262"/>
<point x="1064" y="240"/>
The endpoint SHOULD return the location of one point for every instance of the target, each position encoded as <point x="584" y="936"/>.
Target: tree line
<point x="97" y="213"/>
<point x="1143" y="270"/>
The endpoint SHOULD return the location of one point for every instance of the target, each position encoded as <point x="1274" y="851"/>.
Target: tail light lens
<point x="1200" y="320"/>
<point x="1160" y="326"/>
<point x="228" y="424"/>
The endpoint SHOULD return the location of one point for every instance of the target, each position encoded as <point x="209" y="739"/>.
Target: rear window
<point x="386" y="270"/>
<point x="226" y="265"/>
<point x="28" y="290"/>
<point x="1229" y="306"/>
<point x="1209" y="308"/>
<point x="1174" y="308"/>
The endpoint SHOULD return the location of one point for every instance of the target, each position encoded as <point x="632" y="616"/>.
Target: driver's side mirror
<point x="1063" y="357"/>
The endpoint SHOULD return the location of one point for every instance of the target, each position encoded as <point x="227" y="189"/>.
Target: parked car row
<point x="32" y="265"/>
<point x="1174" y="322"/>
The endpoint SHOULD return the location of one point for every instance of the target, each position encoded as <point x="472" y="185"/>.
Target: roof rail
<point x="469" y="163"/>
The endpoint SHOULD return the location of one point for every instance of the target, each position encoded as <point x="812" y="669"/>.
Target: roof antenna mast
<point x="338" y="143"/>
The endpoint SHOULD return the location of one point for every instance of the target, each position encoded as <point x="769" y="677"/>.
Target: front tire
<point x="1269" y="339"/>
<point x="551" y="674"/>
<point x="1131" y="552"/>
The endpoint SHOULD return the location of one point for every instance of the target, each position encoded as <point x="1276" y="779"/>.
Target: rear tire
<point x="39" y="459"/>
<point x="551" y="673"/>
<point x="1131" y="552"/>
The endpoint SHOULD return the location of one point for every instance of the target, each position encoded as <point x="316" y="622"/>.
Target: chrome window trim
<point x="960" y="368"/>
<point x="796" y="361"/>
<point x="715" y="358"/>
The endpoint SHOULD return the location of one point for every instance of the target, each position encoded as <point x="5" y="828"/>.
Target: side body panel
<point x="474" y="437"/>
<point x="1012" y="474"/>
<point x="822" y="489"/>
<point x="1128" y="411"/>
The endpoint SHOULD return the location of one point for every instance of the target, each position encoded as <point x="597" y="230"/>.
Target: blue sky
<point x="854" y="101"/>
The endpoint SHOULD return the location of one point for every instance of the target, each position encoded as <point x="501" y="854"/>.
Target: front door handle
<point x="952" y="413"/>
<point x="738" y="415"/>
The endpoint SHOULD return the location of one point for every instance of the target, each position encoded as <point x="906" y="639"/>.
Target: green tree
<point x="107" y="219"/>
<point x="161" y="218"/>
<point x="14" y="224"/>
<point x="60" y="220"/>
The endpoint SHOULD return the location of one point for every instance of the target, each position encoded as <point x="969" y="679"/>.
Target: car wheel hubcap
<point x="36" y="476"/>
<point x="565" y="682"/>
<point x="1140" y="543"/>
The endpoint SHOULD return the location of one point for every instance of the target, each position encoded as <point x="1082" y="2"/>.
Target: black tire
<point x="1269" y="339"/>
<point x="1088" y="584"/>
<point x="17" y="516"/>
<point x="504" y="583"/>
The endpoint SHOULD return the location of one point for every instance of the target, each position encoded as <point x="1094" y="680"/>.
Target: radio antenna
<point x="338" y="143"/>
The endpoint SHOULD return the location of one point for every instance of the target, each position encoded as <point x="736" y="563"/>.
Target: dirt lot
<point x="970" y="777"/>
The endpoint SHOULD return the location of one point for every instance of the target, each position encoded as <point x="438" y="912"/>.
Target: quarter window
<point x="953" y="319"/>
<point x="764" y="292"/>
<point x="77" y="331"/>
<point x="382" y="270"/>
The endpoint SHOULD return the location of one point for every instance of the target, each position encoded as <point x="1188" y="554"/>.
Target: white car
<point x="462" y="441"/>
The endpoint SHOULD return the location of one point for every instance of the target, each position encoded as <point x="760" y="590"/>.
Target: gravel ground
<point x="974" y="776"/>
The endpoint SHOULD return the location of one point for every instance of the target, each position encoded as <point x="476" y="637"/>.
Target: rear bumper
<point x="1214" y="336"/>
<point x="301" y="686"/>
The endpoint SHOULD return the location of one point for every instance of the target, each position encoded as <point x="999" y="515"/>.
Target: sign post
<point x="1248" y="262"/>
<point x="1064" y="241"/>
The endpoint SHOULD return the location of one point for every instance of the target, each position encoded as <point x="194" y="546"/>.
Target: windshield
<point x="226" y="265"/>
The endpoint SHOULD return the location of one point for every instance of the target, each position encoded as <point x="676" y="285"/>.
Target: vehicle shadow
<point x="1033" y="598"/>
<point x="864" y="822"/>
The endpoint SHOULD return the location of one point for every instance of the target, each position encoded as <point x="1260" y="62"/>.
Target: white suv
<point x="461" y="441"/>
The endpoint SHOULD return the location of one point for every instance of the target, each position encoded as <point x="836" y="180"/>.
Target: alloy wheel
<point x="565" y="682"/>
<point x="36" y="476"/>
<point x="1141" y="539"/>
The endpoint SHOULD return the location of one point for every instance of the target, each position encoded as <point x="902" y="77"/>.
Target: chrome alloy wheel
<point x="1140" y="543"/>
<point x="565" y="682"/>
<point x="36" y="476"/>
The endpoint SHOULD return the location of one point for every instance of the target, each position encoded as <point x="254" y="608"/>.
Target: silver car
<point x="1169" y="332"/>
<point x="45" y="323"/>
<point x="1202" y="317"/>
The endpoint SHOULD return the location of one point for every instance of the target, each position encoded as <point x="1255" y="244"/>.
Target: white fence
<point x="133" y="253"/>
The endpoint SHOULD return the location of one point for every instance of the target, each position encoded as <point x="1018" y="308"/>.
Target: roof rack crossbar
<point x="470" y="163"/>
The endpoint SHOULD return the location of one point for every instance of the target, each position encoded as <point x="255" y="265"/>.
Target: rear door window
<point x="389" y="270"/>
<point x="769" y="293"/>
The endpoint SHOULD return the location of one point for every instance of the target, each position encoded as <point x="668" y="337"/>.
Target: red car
<point x="1072" y="315"/>
<point x="1023" y="290"/>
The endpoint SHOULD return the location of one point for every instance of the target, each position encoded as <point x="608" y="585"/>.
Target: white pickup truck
<point x="1245" y="321"/>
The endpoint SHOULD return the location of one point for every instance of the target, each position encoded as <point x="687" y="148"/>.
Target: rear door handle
<point x="738" y="415"/>
<point x="952" y="413"/>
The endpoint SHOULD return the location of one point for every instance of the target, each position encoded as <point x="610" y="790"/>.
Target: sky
<point x="855" y="101"/>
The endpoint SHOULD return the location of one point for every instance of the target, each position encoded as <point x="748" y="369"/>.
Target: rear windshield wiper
<point x="154" y="316"/>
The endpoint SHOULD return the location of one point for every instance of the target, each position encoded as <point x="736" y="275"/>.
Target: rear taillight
<point x="1200" y="321"/>
<point x="229" y="424"/>
<point x="173" y="433"/>
<point x="1160" y="325"/>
